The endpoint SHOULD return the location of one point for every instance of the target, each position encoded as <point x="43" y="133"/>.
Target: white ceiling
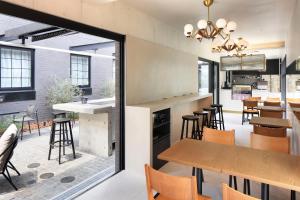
<point x="259" y="21"/>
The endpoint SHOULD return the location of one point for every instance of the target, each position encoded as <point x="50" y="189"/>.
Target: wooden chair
<point x="271" y="113"/>
<point x="171" y="187"/>
<point x="272" y="103"/>
<point x="293" y="100"/>
<point x="249" y="108"/>
<point x="231" y="194"/>
<point x="273" y="99"/>
<point x="254" y="99"/>
<point x="294" y="105"/>
<point x="221" y="137"/>
<point x="267" y="131"/>
<point x="277" y="144"/>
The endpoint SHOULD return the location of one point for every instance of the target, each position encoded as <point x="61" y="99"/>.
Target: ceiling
<point x="259" y="21"/>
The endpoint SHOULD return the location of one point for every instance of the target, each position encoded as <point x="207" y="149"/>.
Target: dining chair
<point x="249" y="108"/>
<point x="171" y="187"/>
<point x="221" y="137"/>
<point x="231" y="194"/>
<point x="271" y="113"/>
<point x="276" y="144"/>
<point x="272" y="103"/>
<point x="28" y="116"/>
<point x="294" y="105"/>
<point x="269" y="131"/>
<point x="254" y="99"/>
<point x="273" y="99"/>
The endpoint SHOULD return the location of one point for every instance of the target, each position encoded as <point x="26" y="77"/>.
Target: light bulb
<point x="221" y="23"/>
<point x="188" y="30"/>
<point x="231" y="26"/>
<point x="202" y="24"/>
<point x="226" y="31"/>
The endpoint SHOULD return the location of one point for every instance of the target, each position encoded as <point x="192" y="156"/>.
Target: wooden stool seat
<point x="190" y="117"/>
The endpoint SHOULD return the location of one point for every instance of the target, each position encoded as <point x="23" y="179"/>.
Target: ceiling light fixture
<point x="219" y="33"/>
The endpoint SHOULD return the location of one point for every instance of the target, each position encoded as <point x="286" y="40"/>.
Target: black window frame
<point x="32" y="78"/>
<point x="89" y="69"/>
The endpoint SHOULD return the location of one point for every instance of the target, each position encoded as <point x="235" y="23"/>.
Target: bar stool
<point x="195" y="129"/>
<point x="212" y="118"/>
<point x="219" y="112"/>
<point x="204" y="122"/>
<point x="63" y="123"/>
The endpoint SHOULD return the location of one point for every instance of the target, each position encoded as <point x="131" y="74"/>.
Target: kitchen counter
<point x="172" y="101"/>
<point x="139" y="125"/>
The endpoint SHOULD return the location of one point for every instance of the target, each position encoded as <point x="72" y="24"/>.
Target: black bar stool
<point x="219" y="113"/>
<point x="212" y="118"/>
<point x="195" y="129"/>
<point x="204" y="122"/>
<point x="64" y="124"/>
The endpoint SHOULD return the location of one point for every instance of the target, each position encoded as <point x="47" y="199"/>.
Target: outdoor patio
<point x="44" y="179"/>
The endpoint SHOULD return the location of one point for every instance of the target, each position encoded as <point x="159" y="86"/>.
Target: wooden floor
<point x="128" y="186"/>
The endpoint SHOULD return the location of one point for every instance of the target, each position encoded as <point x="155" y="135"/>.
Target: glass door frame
<point x="37" y="16"/>
<point x="214" y="79"/>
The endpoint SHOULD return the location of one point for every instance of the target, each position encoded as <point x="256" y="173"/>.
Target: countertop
<point x="172" y="101"/>
<point x="91" y="107"/>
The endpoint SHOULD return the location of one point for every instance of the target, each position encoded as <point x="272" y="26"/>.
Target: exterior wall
<point x="52" y="64"/>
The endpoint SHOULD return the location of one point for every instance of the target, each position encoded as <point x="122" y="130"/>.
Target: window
<point x="16" y="68"/>
<point x="80" y="70"/>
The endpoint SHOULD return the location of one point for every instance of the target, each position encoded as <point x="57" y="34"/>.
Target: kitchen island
<point x="95" y="124"/>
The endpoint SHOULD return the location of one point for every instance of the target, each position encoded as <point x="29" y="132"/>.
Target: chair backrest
<point x="278" y="144"/>
<point x="293" y="100"/>
<point x="273" y="99"/>
<point x="170" y="187"/>
<point x="31" y="110"/>
<point x="267" y="131"/>
<point x="254" y="99"/>
<point x="294" y="105"/>
<point x="250" y="104"/>
<point x="219" y="136"/>
<point x="8" y="142"/>
<point x="272" y="103"/>
<point x="231" y="194"/>
<point x="271" y="113"/>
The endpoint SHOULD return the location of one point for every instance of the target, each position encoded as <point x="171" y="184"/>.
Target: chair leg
<point x="38" y="125"/>
<point x="10" y="181"/>
<point x="10" y="165"/>
<point x="22" y="130"/>
<point x="235" y="182"/>
<point x="193" y="131"/>
<point x="72" y="141"/>
<point x="29" y="127"/>
<point x="59" y="144"/>
<point x="64" y="139"/>
<point x="182" y="129"/>
<point x="51" y="142"/>
<point x="194" y="171"/>
<point x="187" y="129"/>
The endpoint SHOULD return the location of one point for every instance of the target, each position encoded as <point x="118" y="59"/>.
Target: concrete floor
<point x="31" y="159"/>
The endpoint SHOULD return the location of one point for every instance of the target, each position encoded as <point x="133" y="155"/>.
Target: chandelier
<point x="219" y="33"/>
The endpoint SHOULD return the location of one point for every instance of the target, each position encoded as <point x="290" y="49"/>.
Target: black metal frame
<point x="8" y="164"/>
<point x="32" y="78"/>
<point x="30" y="14"/>
<point x="89" y="68"/>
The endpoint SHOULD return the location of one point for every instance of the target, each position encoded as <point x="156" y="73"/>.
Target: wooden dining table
<point x="271" y="122"/>
<point x="266" y="167"/>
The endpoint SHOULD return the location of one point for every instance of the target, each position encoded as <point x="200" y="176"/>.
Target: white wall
<point x="119" y="17"/>
<point x="293" y="38"/>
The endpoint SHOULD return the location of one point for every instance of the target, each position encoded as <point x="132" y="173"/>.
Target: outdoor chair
<point x="8" y="143"/>
<point x="28" y="116"/>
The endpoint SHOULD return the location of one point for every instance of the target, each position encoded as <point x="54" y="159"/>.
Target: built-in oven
<point x="161" y="136"/>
